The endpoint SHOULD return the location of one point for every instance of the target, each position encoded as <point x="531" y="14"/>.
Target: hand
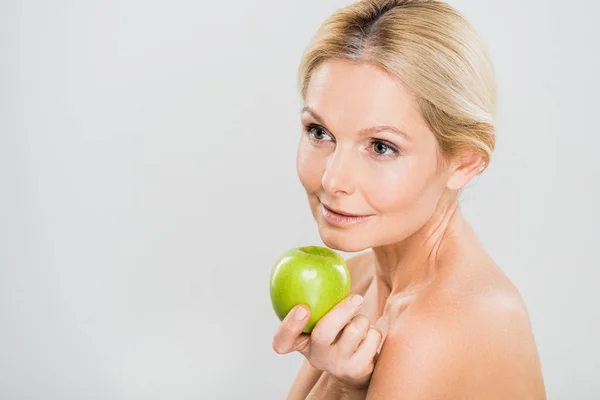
<point x="342" y="343"/>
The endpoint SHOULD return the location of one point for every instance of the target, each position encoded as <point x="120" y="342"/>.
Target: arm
<point x="308" y="376"/>
<point x="305" y="381"/>
<point x="329" y="388"/>
<point x="484" y="352"/>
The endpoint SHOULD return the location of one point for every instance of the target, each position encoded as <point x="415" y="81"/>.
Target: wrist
<point x="351" y="391"/>
<point x="330" y="387"/>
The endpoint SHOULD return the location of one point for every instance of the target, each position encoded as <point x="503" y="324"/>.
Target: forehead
<point x="361" y="95"/>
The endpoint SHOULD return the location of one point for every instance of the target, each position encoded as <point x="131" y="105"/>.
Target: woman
<point x="397" y="118"/>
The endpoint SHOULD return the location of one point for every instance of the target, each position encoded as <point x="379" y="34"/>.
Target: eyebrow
<point x="367" y="131"/>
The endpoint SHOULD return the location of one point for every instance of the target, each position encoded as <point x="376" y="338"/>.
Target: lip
<point x="340" y="212"/>
<point x="335" y="218"/>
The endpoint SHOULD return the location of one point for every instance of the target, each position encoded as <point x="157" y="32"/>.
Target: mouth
<point x="337" y="217"/>
<point x="343" y="213"/>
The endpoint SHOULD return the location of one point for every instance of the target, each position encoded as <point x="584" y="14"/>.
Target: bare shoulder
<point x="361" y="271"/>
<point x="469" y="335"/>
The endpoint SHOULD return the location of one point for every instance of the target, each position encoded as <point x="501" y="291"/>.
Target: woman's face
<point x="365" y="150"/>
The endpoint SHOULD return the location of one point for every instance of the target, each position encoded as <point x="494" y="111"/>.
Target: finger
<point x="352" y="335"/>
<point x="289" y="334"/>
<point x="382" y="326"/>
<point x="328" y="327"/>
<point x="368" y="348"/>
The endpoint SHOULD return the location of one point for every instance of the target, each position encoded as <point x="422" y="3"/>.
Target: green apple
<point x="312" y="275"/>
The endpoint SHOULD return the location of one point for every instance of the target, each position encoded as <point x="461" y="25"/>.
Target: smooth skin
<point x="439" y="319"/>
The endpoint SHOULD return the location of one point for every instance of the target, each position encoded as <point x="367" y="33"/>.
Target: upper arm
<point x="471" y="355"/>
<point x="417" y="365"/>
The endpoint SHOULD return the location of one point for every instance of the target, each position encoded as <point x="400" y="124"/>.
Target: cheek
<point x="308" y="169"/>
<point x="402" y="187"/>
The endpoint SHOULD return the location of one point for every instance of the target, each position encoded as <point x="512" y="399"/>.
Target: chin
<point x="343" y="241"/>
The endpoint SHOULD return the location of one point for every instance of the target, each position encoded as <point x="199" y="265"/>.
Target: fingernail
<point x="357" y="300"/>
<point x="300" y="313"/>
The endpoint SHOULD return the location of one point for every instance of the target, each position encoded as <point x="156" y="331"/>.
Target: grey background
<point x="148" y="183"/>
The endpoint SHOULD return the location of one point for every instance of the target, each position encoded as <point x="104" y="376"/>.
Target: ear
<point x="466" y="165"/>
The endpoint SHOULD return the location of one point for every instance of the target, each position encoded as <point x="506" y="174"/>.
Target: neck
<point x="405" y="267"/>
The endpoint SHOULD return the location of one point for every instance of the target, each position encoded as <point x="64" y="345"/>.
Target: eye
<point x="384" y="149"/>
<point x="315" y="132"/>
<point x="380" y="147"/>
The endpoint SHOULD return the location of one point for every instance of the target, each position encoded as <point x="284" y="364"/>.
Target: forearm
<point x="329" y="388"/>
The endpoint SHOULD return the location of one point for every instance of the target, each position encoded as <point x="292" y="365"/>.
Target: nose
<point x="337" y="179"/>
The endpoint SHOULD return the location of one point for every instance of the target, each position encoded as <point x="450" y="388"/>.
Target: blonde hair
<point x="433" y="50"/>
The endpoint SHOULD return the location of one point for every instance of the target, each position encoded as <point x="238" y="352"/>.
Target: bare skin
<point x="452" y="324"/>
<point x="467" y="280"/>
